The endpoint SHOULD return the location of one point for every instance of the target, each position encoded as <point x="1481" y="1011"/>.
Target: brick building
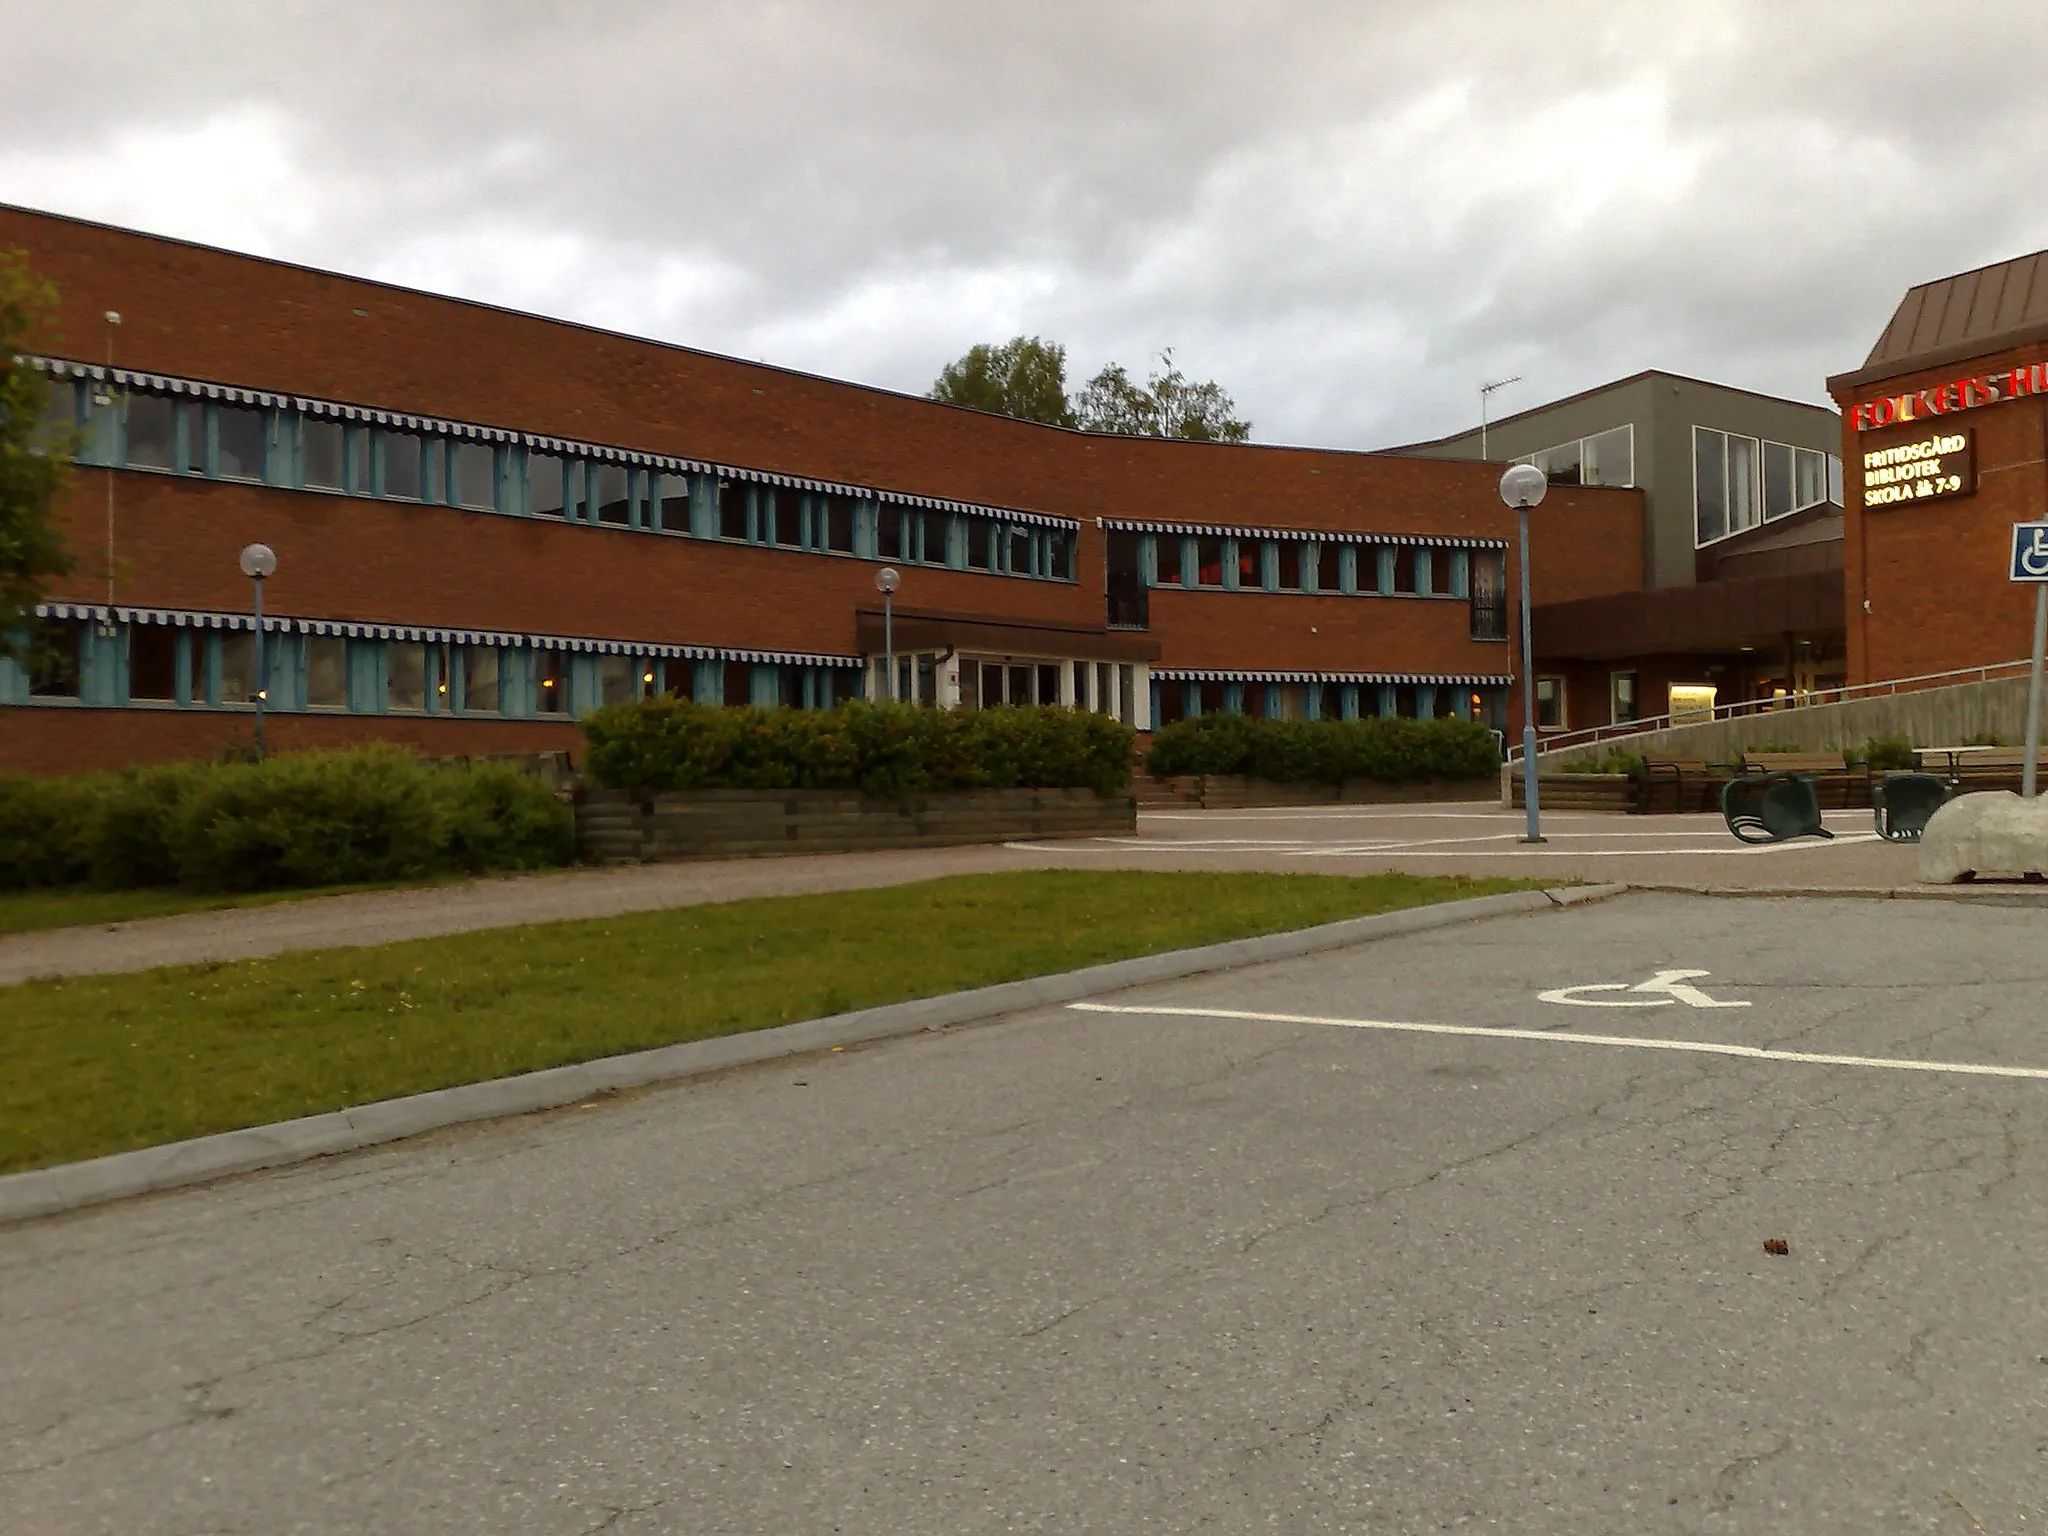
<point x="1945" y="439"/>
<point x="487" y="523"/>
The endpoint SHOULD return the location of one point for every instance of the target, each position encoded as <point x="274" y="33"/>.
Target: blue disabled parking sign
<point x="2030" y="551"/>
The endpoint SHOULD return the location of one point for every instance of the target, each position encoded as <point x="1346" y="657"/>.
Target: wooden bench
<point x="1976" y="767"/>
<point x="1681" y="784"/>
<point x="1836" y="785"/>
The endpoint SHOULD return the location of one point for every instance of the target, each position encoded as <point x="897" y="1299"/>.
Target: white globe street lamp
<point x="1522" y="487"/>
<point x="259" y="561"/>
<point x="887" y="580"/>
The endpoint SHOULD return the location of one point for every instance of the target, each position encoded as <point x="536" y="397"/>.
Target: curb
<point x="1978" y="893"/>
<point x="47" y="1191"/>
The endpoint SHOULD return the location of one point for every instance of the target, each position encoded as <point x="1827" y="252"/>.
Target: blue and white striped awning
<point x="568" y="447"/>
<point x="587" y="645"/>
<point x="793" y="658"/>
<point x="1449" y="679"/>
<point x="1315" y="535"/>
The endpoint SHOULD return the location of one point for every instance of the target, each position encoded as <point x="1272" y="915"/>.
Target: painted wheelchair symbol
<point x="2030" y="552"/>
<point x="1660" y="991"/>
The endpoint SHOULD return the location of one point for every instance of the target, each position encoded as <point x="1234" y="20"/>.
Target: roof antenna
<point x="1485" y="392"/>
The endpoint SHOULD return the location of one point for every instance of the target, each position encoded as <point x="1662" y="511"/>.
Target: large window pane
<point x="1060" y="556"/>
<point x="1290" y="565"/>
<point x="610" y="490"/>
<point x="544" y="484"/>
<point x="618" y="679"/>
<point x="326" y="672"/>
<point x="1017" y="551"/>
<point x="480" y="679"/>
<point x="240" y="428"/>
<point x="1742" y="483"/>
<point x="1834" y="480"/>
<point x="550" y="682"/>
<point x="321" y="441"/>
<point x="1611" y="458"/>
<point x="788" y="516"/>
<point x="152" y="662"/>
<point x="1209" y="562"/>
<point x="1778" y="498"/>
<point x="238" y="667"/>
<point x="405" y="675"/>
<point x="1560" y="465"/>
<point x="475" y="477"/>
<point x="58" y="420"/>
<point x="53" y="659"/>
<point x="1710" y="484"/>
<point x="152" y="426"/>
<point x="839" y="524"/>
<point x="1809" y="477"/>
<point x="673" y="498"/>
<point x="401" y="464"/>
<point x="732" y="510"/>
<point x="981" y="544"/>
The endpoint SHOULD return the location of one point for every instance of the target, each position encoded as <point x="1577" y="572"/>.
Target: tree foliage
<point x="33" y="457"/>
<point x="1024" y="377"/>
<point x="1165" y="405"/>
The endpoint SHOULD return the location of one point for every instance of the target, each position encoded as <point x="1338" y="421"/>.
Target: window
<point x="738" y="682"/>
<point x="1017" y="551"/>
<point x="1562" y="465"/>
<point x="838" y="515"/>
<point x="618" y="679"/>
<point x="1326" y="568"/>
<point x="321" y="443"/>
<point x="1290" y="565"/>
<point x="550" y="683"/>
<point x="402" y="465"/>
<point x="326" y="672"/>
<point x="405" y="676"/>
<point x="1489" y="595"/>
<point x="192" y="424"/>
<point x="1550" y="703"/>
<point x="1809" y="477"/>
<point x="1610" y="457"/>
<point x="475" y="477"/>
<point x="480" y="679"/>
<point x="359" y="461"/>
<point x="152" y="427"/>
<point x="544" y="484"/>
<point x="240" y="430"/>
<point x="237" y="667"/>
<point x="1248" y="572"/>
<point x="788" y="518"/>
<point x="672" y="500"/>
<point x="1621" y="697"/>
<point x="981" y="544"/>
<point x="732" y="510"/>
<point x="1742" y="474"/>
<point x="1059" y="563"/>
<point x="53" y="659"/>
<point x="58" y="419"/>
<point x="1209" y="562"/>
<point x="609" y="491"/>
<point x="1778" y="492"/>
<point x="153" y="663"/>
<point x="889" y="530"/>
<point x="1710" y="484"/>
<point x="1405" y="572"/>
<point x="680" y="679"/>
<point x="1834" y="480"/>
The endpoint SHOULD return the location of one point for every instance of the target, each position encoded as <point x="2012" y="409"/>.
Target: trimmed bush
<point x="301" y="819"/>
<point x="1887" y="752"/>
<point x="1324" y="751"/>
<point x="885" y="750"/>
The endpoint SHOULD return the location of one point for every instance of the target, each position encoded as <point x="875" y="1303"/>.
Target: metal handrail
<point x="1624" y="729"/>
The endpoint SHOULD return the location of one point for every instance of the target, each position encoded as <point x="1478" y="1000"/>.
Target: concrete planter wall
<point x="1580" y="792"/>
<point x="1234" y="792"/>
<point x="617" y="826"/>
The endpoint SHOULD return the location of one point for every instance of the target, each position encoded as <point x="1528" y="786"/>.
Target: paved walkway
<point x="1689" y="852"/>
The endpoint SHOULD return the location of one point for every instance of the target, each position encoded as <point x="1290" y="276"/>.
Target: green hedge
<point x="302" y="819"/>
<point x="880" y="749"/>
<point x="1324" y="751"/>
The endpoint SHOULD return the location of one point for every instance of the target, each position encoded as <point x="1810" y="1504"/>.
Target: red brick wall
<point x="1934" y="573"/>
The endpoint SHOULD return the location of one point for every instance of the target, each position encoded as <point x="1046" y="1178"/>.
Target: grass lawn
<point x="39" y="911"/>
<point x="99" y="1064"/>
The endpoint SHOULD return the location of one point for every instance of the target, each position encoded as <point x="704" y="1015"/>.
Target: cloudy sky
<point x="1349" y="213"/>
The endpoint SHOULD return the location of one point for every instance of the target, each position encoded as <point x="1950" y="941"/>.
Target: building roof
<point x="1600" y="389"/>
<point x="1986" y="309"/>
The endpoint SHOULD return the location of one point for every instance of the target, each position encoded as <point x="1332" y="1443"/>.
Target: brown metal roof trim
<point x="1971" y="314"/>
<point x="1709" y="616"/>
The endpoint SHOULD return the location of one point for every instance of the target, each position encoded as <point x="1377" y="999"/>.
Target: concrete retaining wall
<point x="1234" y="792"/>
<point x="618" y="826"/>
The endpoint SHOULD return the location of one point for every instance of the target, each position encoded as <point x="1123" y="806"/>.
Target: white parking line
<point x="1423" y="849"/>
<point x="1568" y="1037"/>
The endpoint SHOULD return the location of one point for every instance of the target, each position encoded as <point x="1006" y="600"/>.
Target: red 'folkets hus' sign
<point x="1956" y="395"/>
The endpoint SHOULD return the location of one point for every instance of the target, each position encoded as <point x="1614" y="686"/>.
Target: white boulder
<point x="1996" y="833"/>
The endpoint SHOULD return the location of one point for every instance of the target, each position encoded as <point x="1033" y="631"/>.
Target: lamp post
<point x="887" y="580"/>
<point x="1522" y="487"/>
<point x="259" y="561"/>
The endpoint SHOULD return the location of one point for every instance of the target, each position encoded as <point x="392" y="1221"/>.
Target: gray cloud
<point x="1347" y="213"/>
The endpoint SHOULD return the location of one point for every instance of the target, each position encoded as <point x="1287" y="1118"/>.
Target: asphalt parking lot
<point x="1238" y="1254"/>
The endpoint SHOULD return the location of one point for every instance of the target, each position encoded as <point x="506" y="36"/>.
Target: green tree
<point x="1024" y="377"/>
<point x="1166" y="405"/>
<point x="34" y="455"/>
